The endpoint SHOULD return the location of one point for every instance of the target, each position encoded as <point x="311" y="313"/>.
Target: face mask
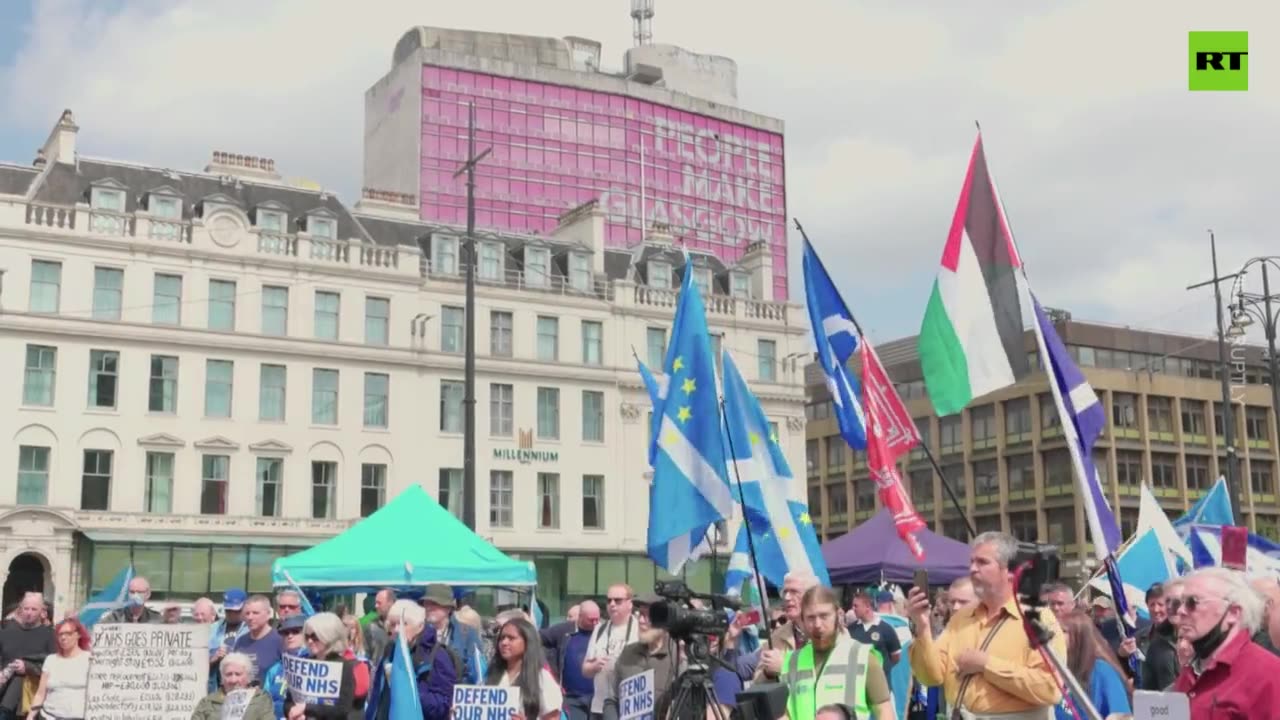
<point x="1206" y="645"/>
<point x="136" y="599"/>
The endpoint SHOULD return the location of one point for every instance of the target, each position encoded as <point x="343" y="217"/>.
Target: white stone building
<point x="209" y="370"/>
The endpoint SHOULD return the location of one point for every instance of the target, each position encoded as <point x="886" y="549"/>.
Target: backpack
<point x="459" y="668"/>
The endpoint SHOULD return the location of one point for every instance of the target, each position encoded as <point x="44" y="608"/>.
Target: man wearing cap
<point x="273" y="681"/>
<point x="462" y="639"/>
<point x="225" y="632"/>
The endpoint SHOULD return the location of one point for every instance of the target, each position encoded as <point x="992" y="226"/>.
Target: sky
<point x="1111" y="171"/>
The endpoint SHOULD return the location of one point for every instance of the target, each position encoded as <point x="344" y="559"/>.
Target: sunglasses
<point x="617" y="600"/>
<point x="290" y="632"/>
<point x="290" y="607"/>
<point x="1191" y="602"/>
<point x="311" y="637"/>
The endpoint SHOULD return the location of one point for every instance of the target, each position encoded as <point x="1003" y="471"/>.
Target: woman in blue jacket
<point x="433" y="666"/>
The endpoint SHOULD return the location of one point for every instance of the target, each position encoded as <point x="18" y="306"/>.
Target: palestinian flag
<point x="971" y="341"/>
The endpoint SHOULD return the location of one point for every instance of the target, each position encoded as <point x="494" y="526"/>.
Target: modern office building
<point x="212" y="369"/>
<point x="660" y="142"/>
<point x="1007" y="461"/>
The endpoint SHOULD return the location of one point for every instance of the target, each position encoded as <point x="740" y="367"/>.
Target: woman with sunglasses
<point x="65" y="676"/>
<point x="326" y="639"/>
<point x="519" y="663"/>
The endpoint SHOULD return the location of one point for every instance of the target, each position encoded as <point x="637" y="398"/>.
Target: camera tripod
<point x="1039" y="636"/>
<point x="694" y="692"/>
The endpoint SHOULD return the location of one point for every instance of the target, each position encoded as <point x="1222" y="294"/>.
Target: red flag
<point x="891" y="433"/>
<point x="1235" y="547"/>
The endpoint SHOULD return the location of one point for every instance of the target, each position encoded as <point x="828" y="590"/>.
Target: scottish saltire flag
<point x="1262" y="556"/>
<point x="1142" y="563"/>
<point x="689" y="492"/>
<point x="1214" y="508"/>
<point x="1151" y="517"/>
<point x="403" y="684"/>
<point x="836" y="338"/>
<point x="784" y="537"/>
<point x="112" y="597"/>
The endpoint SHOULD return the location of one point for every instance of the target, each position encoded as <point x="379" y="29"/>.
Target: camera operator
<point x="983" y="658"/>
<point x="833" y="667"/>
<point x="789" y="635"/>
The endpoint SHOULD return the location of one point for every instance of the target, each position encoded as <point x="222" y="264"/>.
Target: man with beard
<point x="1229" y="675"/>
<point x="983" y="659"/>
<point x="653" y="651"/>
<point x="833" y="667"/>
<point x="789" y="635"/>
<point x="1161" y="666"/>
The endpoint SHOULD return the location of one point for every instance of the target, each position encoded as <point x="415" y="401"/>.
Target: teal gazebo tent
<point x="410" y="542"/>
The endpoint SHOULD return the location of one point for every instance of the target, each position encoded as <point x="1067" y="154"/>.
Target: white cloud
<point x="1110" y="168"/>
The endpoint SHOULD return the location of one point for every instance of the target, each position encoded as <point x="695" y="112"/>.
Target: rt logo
<point x="1218" y="61"/>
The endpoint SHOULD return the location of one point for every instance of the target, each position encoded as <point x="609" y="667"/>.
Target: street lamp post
<point x="1250" y="307"/>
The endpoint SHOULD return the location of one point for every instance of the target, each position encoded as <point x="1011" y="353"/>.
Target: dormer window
<point x="165" y="207"/>
<point x="323" y="228"/>
<point x="702" y="279"/>
<point x="537" y="267"/>
<point x="660" y="274"/>
<point x="740" y="285"/>
<point x="580" y="272"/>
<point x="107" y="199"/>
<point x="272" y="221"/>
<point x="491" y="256"/>
<point x="444" y="254"/>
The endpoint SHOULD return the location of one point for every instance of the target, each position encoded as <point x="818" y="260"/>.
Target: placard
<point x="147" y="672"/>
<point x="236" y="703"/>
<point x="482" y="702"/>
<point x="636" y="697"/>
<point x="1148" y="705"/>
<point x="312" y="682"/>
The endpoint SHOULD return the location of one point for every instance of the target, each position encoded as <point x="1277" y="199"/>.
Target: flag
<point x="874" y="400"/>
<point x="689" y="492"/>
<point x="1151" y="518"/>
<point x="307" y="609"/>
<point x="836" y="338"/>
<point x="1214" y="508"/>
<point x="403" y="684"/>
<point x="1262" y="556"/>
<point x="971" y="338"/>
<point x="1083" y="420"/>
<point x="112" y="597"/>
<point x="772" y="508"/>
<point x="1142" y="563"/>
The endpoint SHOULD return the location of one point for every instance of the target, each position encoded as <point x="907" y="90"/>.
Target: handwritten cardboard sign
<point x="480" y="702"/>
<point x="147" y="672"/>
<point x="236" y="704"/>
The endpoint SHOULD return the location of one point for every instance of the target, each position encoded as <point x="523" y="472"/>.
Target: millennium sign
<point x="525" y="453"/>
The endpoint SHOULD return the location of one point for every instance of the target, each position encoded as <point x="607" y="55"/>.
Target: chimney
<point x="387" y="203"/>
<point x="584" y="226"/>
<point x="757" y="262"/>
<point x="61" y="145"/>
<point x="249" y="167"/>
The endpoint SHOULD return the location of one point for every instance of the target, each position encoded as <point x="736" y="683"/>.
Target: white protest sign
<point x="147" y="672"/>
<point x="480" y="702"/>
<point x="312" y="682"/>
<point x="636" y="697"/>
<point x="1148" y="705"/>
<point x="236" y="703"/>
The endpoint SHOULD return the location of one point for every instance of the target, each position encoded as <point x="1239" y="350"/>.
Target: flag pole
<point x="946" y="486"/>
<point x="751" y="543"/>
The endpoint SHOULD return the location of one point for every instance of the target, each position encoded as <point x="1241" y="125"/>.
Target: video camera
<point x="1041" y="563"/>
<point x="681" y="620"/>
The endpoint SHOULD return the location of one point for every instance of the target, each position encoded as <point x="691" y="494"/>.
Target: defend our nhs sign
<point x="636" y="697"/>
<point x="481" y="702"/>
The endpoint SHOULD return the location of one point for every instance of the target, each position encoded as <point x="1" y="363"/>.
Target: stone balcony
<point x="719" y="307"/>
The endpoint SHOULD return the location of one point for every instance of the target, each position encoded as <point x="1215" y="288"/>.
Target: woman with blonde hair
<point x="326" y="639"/>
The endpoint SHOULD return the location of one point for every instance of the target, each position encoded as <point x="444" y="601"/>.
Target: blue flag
<point x="690" y="490"/>
<point x="403" y="684"/>
<point x="836" y="338"/>
<point x="1212" y="509"/>
<point x="780" y="526"/>
<point x="112" y="597"/>
<point x="307" y="608"/>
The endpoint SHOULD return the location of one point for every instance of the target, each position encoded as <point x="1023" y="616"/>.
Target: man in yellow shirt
<point x="1009" y="678"/>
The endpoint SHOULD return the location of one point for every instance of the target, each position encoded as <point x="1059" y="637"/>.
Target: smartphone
<point x="921" y="580"/>
<point x="747" y="618"/>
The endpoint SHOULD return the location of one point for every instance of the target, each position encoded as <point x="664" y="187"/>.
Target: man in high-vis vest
<point x="833" y="668"/>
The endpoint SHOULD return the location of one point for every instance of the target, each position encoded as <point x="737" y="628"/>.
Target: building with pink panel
<point x="660" y="144"/>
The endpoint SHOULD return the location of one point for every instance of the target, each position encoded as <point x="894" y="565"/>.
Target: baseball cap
<point x="1102" y="602"/>
<point x="234" y="599"/>
<point x="441" y="595"/>
<point x="884" y="597"/>
<point x="293" y="623"/>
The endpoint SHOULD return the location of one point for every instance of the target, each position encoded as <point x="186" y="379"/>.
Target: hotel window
<point x="222" y="305"/>
<point x="501" y="409"/>
<point x="659" y="272"/>
<point x="548" y="413"/>
<point x="1017" y="419"/>
<point x="214" y="477"/>
<point x="159" y="491"/>
<point x="1022" y="525"/>
<point x="548" y="338"/>
<point x="166" y="300"/>
<point x="1197" y="473"/>
<point x="162" y="387"/>
<point x="656" y="348"/>
<point x="500" y="492"/>
<point x="1124" y="411"/>
<point x="1164" y="471"/>
<point x="328" y="314"/>
<point x="1022" y="474"/>
<point x="451" y="394"/>
<point x="580" y="272"/>
<point x="272" y="381"/>
<point x="1061" y="524"/>
<point x="373" y="488"/>
<point x="702" y="279"/>
<point x="982" y="426"/>
<point x="1193" y="422"/>
<point x="449" y="491"/>
<point x="108" y="201"/>
<point x="46" y="286"/>
<point x="377" y="393"/>
<point x="270" y="473"/>
<point x="837" y="498"/>
<point x="218" y="376"/>
<point x="767" y="360"/>
<point x="1160" y="415"/>
<point x="452" y="320"/>
<point x="104" y="375"/>
<point x="33" y="475"/>
<point x="592" y="416"/>
<point x="377" y="321"/>
<point x="835" y="453"/>
<point x="949" y="431"/>
<point x="40" y="377"/>
<point x="500" y="333"/>
<point x="324" y="397"/>
<point x="1260" y="478"/>
<point x="1256" y="426"/>
<point x="324" y="487"/>
<point x="322" y="228"/>
<point x="490" y="267"/>
<point x="108" y="290"/>
<point x="275" y="310"/>
<point x="95" y="483"/>
<point x="163" y="206"/>
<point x="444" y="255"/>
<point x="592" y="343"/>
<point x="593" y="502"/>
<point x="1129" y="467"/>
<point x="548" y="501"/>
<point x="741" y="285"/>
<point x="537" y="267"/>
<point x="269" y="220"/>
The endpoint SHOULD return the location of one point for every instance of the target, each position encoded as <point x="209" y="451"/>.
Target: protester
<point x="653" y="651"/>
<point x="790" y="634"/>
<point x="135" y="609"/>
<point x="261" y="642"/>
<point x="461" y="640"/>
<point x="960" y="596"/>
<point x="326" y="639"/>
<point x="274" y="681"/>
<point x="869" y="629"/>
<point x="226" y="632"/>
<point x="607" y="641"/>
<point x="203" y="612"/>
<point x="1161" y="667"/>
<point x="375" y="632"/>
<point x="1005" y="676"/>
<point x="519" y="663"/>
<point x="823" y="670"/>
<point x="566" y="646"/>
<point x="1229" y="676"/>
<point x="64" y="677"/>
<point x="237" y="674"/>
<point x="432" y="665"/>
<point x="1268" y="636"/>
<point x="355" y="651"/>
<point x="24" y="644"/>
<point x="288" y="603"/>
<point x="1091" y="661"/>
<point x="1059" y="598"/>
<point x="355" y="638"/>
<point x="172" y="615"/>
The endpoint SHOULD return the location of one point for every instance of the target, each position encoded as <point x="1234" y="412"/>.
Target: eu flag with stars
<point x="690" y="490"/>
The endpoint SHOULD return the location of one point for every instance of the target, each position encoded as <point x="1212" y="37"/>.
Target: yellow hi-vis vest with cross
<point x="843" y="681"/>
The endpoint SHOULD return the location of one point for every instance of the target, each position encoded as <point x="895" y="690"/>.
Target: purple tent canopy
<point x="873" y="552"/>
